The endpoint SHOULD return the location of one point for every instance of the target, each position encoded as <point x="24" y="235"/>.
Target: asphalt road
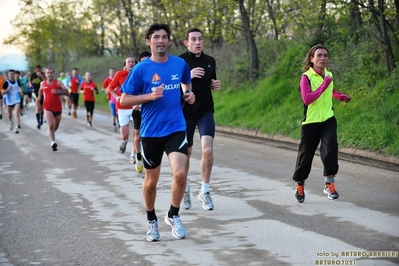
<point x="82" y="205"/>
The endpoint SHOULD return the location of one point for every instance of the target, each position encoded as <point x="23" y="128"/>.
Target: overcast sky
<point x="8" y="10"/>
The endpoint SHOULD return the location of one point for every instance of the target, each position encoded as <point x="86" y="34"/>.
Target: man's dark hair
<point x="190" y="31"/>
<point x="156" y="27"/>
<point x="17" y="72"/>
<point x="75" y="68"/>
<point x="11" y="70"/>
<point x="144" y="54"/>
<point x="38" y="66"/>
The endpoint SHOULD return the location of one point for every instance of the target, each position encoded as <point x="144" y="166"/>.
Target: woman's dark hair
<point x="307" y="63"/>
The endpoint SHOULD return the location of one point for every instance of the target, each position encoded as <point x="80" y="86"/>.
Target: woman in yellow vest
<point x="319" y="123"/>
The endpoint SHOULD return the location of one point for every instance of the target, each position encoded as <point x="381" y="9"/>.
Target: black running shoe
<point x="300" y="192"/>
<point x="54" y="146"/>
<point x="331" y="192"/>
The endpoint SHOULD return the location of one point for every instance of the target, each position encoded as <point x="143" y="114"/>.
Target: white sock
<point x="204" y="188"/>
<point x="52" y="143"/>
<point x="187" y="187"/>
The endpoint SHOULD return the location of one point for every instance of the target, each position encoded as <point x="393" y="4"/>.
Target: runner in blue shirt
<point x="156" y="83"/>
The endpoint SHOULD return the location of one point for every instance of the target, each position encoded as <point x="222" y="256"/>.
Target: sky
<point x="10" y="56"/>
<point x="8" y="11"/>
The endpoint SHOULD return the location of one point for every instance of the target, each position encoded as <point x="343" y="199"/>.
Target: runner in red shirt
<point x="124" y="112"/>
<point x="50" y="91"/>
<point x="73" y="82"/>
<point x="111" y="99"/>
<point x="88" y="88"/>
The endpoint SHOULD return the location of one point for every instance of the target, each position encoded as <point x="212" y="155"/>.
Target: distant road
<point x="364" y="157"/>
<point x="82" y="205"/>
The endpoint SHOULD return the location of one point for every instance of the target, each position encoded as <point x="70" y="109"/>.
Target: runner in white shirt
<point x="12" y="91"/>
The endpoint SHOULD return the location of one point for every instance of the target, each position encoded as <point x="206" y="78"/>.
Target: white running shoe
<point x="122" y="147"/>
<point x="133" y="158"/>
<point x="178" y="230"/>
<point x="153" y="232"/>
<point x="187" y="198"/>
<point x="206" y="200"/>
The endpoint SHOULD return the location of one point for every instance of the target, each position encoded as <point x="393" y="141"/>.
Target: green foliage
<point x="269" y="51"/>
<point x="72" y="33"/>
<point x="273" y="104"/>
<point x="98" y="68"/>
<point x="262" y="105"/>
<point x="376" y="123"/>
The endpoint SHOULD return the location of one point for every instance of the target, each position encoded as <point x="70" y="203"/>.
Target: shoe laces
<point x="300" y="189"/>
<point x="186" y="196"/>
<point x="177" y="222"/>
<point x="152" y="225"/>
<point x="331" y="188"/>
<point x="207" y="197"/>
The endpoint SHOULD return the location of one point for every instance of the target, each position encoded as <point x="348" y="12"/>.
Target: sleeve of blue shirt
<point x="68" y="79"/>
<point x="132" y="84"/>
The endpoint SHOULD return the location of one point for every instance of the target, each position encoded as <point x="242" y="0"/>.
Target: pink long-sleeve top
<point x="309" y="96"/>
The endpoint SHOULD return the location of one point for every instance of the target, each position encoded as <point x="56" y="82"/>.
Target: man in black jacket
<point x="200" y="114"/>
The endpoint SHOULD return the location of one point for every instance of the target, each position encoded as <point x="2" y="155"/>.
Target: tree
<point x="320" y="22"/>
<point x="385" y="40"/>
<point x="62" y="30"/>
<point x="355" y="19"/>
<point x="57" y="33"/>
<point x="273" y="17"/>
<point x="381" y="26"/>
<point x="253" y="50"/>
<point x="133" y="22"/>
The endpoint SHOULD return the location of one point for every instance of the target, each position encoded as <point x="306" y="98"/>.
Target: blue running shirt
<point x="164" y="116"/>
